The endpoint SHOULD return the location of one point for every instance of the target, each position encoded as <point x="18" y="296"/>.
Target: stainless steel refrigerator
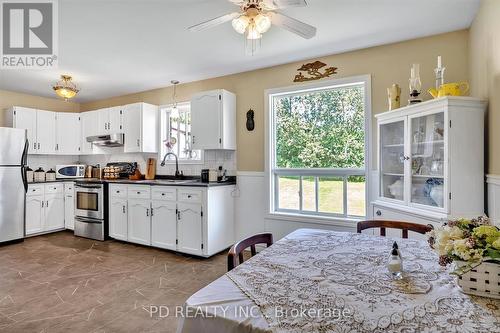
<point x="13" y="184"/>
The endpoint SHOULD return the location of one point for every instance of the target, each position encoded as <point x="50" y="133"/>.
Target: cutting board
<point x="151" y="169"/>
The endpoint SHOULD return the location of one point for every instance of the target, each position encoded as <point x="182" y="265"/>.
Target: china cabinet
<point x="431" y="161"/>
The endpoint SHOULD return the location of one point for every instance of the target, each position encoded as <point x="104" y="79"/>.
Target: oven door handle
<point x="87" y="220"/>
<point x="89" y="186"/>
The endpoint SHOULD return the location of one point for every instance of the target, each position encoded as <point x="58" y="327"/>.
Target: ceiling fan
<point x="256" y="17"/>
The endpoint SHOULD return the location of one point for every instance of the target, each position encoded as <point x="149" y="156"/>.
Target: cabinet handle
<point x="117" y="191"/>
<point x="109" y="125"/>
<point x="378" y="213"/>
<point x="47" y="205"/>
<point x="38" y="145"/>
<point x="42" y="203"/>
<point x="123" y="209"/>
<point x="194" y="139"/>
<point x="57" y="146"/>
<point x="178" y="214"/>
<point x="138" y="192"/>
<point x="152" y="211"/>
<point x="147" y="212"/>
<point x="138" y="143"/>
<point x="34" y="145"/>
<point x="189" y="196"/>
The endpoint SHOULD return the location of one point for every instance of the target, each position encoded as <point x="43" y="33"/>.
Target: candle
<point x="439" y="61"/>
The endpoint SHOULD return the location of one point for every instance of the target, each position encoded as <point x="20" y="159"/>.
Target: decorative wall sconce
<point x="250" y="120"/>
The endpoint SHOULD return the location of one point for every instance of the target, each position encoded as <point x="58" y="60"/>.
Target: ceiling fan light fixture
<point x="252" y="32"/>
<point x="240" y="24"/>
<point x="65" y="88"/>
<point x="262" y="23"/>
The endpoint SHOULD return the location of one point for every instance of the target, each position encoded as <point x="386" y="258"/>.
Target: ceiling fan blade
<point x="302" y="29"/>
<point x="279" y="4"/>
<point x="214" y="22"/>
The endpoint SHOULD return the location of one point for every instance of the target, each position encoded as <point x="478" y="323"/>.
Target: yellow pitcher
<point x="450" y="89"/>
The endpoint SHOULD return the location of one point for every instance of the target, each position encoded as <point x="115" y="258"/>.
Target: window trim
<point x="271" y="212"/>
<point x="170" y="162"/>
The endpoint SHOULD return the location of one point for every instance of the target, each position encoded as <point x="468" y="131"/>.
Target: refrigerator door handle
<point x="24" y="159"/>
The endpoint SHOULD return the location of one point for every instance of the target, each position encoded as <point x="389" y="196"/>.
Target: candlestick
<point x="439" y="61"/>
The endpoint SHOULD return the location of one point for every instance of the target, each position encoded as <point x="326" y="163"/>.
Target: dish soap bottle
<point x="395" y="266"/>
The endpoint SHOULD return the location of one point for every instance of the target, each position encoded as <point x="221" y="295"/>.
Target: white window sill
<point x="347" y="222"/>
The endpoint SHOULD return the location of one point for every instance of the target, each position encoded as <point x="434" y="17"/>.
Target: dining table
<point x="326" y="281"/>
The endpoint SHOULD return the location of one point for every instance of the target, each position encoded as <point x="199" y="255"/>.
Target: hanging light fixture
<point x="174" y="96"/>
<point x="65" y="88"/>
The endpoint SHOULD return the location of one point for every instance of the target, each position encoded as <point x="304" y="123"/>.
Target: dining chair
<point x="236" y="251"/>
<point x="404" y="226"/>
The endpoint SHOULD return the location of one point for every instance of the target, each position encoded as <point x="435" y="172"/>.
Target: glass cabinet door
<point x="392" y="160"/>
<point x="428" y="160"/>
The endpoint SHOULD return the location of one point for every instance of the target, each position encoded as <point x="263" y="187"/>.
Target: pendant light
<point x="174" y="97"/>
<point x="65" y="88"/>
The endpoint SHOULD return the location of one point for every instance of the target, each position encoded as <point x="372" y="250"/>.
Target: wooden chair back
<point x="404" y="226"/>
<point x="236" y="251"/>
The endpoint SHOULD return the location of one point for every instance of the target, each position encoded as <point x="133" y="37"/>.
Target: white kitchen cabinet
<point x="110" y="120"/>
<point x="46" y="132"/>
<point x="140" y="126"/>
<point x="118" y="218"/>
<point x="68" y="138"/>
<point x="44" y="208"/>
<point x="89" y="127"/>
<point x="69" y="205"/>
<point x="164" y="224"/>
<point x="190" y="228"/>
<point x="213" y="120"/>
<point x="25" y="118"/>
<point x="139" y="221"/>
<point x="54" y="212"/>
<point x="34" y="214"/>
<point x="429" y="170"/>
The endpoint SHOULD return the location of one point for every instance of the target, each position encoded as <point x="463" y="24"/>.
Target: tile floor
<point x="62" y="283"/>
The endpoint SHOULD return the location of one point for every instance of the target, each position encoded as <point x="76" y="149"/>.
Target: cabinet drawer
<point x="382" y="213"/>
<point x="139" y="192"/>
<point x="163" y="193"/>
<point x="190" y="195"/>
<point x="69" y="188"/>
<point x="118" y="191"/>
<point x="35" y="190"/>
<point x="54" y="188"/>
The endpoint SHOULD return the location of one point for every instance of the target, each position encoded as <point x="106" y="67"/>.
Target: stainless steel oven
<point x="90" y="212"/>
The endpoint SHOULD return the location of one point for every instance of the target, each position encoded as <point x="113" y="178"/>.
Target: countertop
<point x="193" y="182"/>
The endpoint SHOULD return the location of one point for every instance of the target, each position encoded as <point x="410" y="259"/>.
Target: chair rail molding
<point x="493" y="188"/>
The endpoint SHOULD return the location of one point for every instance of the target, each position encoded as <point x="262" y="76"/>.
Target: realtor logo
<point x="29" y="34"/>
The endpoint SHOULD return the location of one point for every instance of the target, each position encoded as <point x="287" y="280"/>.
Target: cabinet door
<point x="132" y="127"/>
<point x="429" y="160"/>
<point x="189" y="228"/>
<point x="393" y="159"/>
<point x="69" y="211"/>
<point x="102" y="121"/>
<point x="25" y="118"/>
<point x="34" y="214"/>
<point x="164" y="224"/>
<point x="118" y="218"/>
<point x="115" y="120"/>
<point x="68" y="133"/>
<point x="46" y="131"/>
<point x="206" y="112"/>
<point x="139" y="221"/>
<point x="89" y="121"/>
<point x="54" y="212"/>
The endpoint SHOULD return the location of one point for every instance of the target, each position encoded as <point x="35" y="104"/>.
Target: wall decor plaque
<point x="313" y="71"/>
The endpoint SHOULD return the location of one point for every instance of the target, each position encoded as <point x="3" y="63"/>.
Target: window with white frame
<point x="176" y="133"/>
<point x="318" y="149"/>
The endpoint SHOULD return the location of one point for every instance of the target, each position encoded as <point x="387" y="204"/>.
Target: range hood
<point x="107" y="140"/>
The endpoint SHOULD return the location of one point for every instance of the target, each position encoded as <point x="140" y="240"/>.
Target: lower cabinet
<point x="69" y="206"/>
<point x="139" y="221"/>
<point x="196" y="221"/>
<point x="44" y="208"/>
<point x="118" y="228"/>
<point x="190" y="228"/>
<point x="164" y="224"/>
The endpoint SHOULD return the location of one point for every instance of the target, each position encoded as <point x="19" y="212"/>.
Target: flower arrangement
<point x="473" y="241"/>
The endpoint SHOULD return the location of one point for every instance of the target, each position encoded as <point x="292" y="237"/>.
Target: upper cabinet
<point x="213" y="120"/>
<point x="25" y="118"/>
<point x="68" y="138"/>
<point x="431" y="158"/>
<point x="89" y="127"/>
<point x="140" y="126"/>
<point x="109" y="120"/>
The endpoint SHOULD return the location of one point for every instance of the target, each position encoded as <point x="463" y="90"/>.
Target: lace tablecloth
<point x="323" y="281"/>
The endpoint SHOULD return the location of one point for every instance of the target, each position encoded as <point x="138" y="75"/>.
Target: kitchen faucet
<point x="177" y="173"/>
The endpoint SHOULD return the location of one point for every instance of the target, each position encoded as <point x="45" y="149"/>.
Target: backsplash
<point x="48" y="162"/>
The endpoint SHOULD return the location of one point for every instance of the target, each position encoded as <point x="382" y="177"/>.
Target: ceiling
<point x="116" y="47"/>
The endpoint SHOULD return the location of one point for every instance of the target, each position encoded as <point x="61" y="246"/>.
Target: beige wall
<point x="9" y="98"/>
<point x="387" y="64"/>
<point x="485" y="73"/>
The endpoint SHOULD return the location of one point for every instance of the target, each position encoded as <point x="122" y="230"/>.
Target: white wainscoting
<point x="493" y="185"/>
<point x="251" y="216"/>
